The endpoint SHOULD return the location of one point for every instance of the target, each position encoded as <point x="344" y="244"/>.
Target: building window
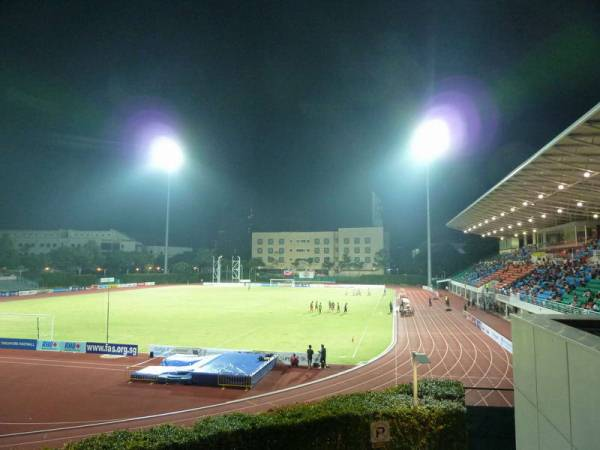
<point x="367" y="259"/>
<point x="281" y="241"/>
<point x="259" y="250"/>
<point x="346" y="250"/>
<point x="280" y="250"/>
<point x="270" y="250"/>
<point x="326" y="250"/>
<point x="271" y="259"/>
<point x="346" y="240"/>
<point x="317" y="259"/>
<point x="356" y="241"/>
<point x="259" y="241"/>
<point x="317" y="250"/>
<point x="281" y="259"/>
<point x="357" y="259"/>
<point x="326" y="259"/>
<point x="317" y="241"/>
<point x="367" y="249"/>
<point x="356" y="249"/>
<point x="53" y="245"/>
<point x="326" y="241"/>
<point x="367" y="240"/>
<point x="270" y="241"/>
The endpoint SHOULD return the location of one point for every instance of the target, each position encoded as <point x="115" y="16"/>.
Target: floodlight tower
<point x="166" y="155"/>
<point x="430" y="140"/>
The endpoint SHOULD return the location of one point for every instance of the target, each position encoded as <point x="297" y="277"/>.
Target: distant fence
<point x="74" y="289"/>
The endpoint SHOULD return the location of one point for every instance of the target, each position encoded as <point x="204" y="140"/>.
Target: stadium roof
<point x="558" y="184"/>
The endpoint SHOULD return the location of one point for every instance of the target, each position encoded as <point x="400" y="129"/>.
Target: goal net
<point x="27" y="326"/>
<point x="282" y="282"/>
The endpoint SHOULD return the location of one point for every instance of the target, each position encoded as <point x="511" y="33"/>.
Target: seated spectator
<point x="294" y="360"/>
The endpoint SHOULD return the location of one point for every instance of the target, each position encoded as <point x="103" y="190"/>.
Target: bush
<point x="339" y="422"/>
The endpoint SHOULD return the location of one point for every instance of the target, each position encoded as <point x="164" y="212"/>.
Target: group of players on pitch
<point x="317" y="306"/>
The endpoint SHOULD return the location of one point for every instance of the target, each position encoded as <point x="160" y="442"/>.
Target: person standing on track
<point x="309" y="355"/>
<point x="323" y="355"/>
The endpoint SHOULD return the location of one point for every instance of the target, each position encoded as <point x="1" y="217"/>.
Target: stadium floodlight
<point x="579" y="204"/>
<point x="561" y="186"/>
<point x="166" y="154"/>
<point x="587" y="174"/>
<point x="595" y="216"/>
<point x="430" y="140"/>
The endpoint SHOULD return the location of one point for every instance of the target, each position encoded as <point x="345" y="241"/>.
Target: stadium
<point x="213" y="235"/>
<point x="157" y="346"/>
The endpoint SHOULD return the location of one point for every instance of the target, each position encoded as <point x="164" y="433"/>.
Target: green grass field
<point x="265" y="318"/>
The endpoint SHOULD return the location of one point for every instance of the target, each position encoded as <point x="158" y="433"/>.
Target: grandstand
<point x="545" y="215"/>
<point x="12" y="284"/>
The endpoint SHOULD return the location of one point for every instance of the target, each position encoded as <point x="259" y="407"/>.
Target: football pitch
<point x="260" y="318"/>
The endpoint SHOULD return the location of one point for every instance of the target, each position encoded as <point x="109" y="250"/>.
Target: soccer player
<point x="309" y="355"/>
<point x="320" y="307"/>
<point x="311" y="307"/>
<point x="345" y="307"/>
<point x="338" y="307"/>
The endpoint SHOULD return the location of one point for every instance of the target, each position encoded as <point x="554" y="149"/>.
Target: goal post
<point x="279" y="282"/>
<point x="27" y="326"/>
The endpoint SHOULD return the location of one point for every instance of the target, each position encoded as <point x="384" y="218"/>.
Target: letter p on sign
<point x="380" y="433"/>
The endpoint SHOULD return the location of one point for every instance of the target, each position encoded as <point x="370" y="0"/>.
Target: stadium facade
<point x="347" y="249"/>
<point x="44" y="241"/>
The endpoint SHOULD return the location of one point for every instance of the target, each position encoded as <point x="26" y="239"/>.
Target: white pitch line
<point x="366" y="327"/>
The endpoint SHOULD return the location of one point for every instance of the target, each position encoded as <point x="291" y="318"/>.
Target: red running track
<point x="50" y="398"/>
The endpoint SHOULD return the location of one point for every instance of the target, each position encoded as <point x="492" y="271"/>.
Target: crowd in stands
<point x="570" y="278"/>
<point x="480" y="273"/>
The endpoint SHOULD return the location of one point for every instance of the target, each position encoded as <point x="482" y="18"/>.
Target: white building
<point x="44" y="241"/>
<point x="348" y="249"/>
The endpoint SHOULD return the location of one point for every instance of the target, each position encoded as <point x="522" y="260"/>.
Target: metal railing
<point x="558" y="306"/>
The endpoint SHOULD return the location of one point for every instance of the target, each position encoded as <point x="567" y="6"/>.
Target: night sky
<point x="296" y="109"/>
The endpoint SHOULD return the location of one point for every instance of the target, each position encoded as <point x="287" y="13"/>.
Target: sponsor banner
<point x="166" y="350"/>
<point x="18" y="344"/>
<point x="127" y="285"/>
<point x="107" y="280"/>
<point x="285" y="357"/>
<point x="288" y="273"/>
<point x="61" y="346"/>
<point x="27" y="293"/>
<point x="111" y="349"/>
<point x="8" y="293"/>
<point x="306" y="274"/>
<point x="493" y="334"/>
<point x="150" y="283"/>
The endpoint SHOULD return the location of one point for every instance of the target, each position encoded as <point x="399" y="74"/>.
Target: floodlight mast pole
<point x="428" y="229"/>
<point x="166" y="266"/>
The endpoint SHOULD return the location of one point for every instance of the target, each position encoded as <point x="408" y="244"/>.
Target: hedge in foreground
<point x="340" y="422"/>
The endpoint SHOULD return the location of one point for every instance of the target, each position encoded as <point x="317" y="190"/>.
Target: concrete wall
<point x="557" y="384"/>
